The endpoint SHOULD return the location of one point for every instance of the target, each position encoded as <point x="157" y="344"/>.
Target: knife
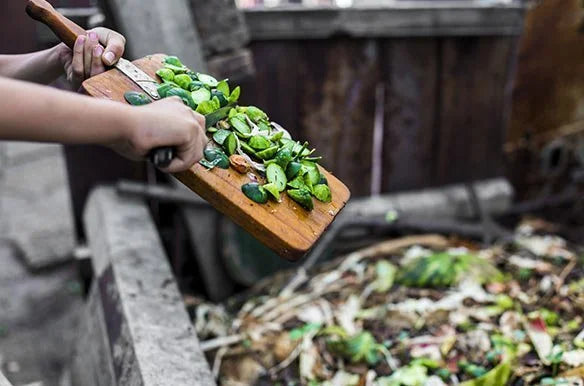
<point x="67" y="31"/>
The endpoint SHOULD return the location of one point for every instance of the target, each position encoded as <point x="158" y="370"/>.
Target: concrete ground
<point x="40" y="294"/>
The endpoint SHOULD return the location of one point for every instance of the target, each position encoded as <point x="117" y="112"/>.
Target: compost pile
<point x="421" y="310"/>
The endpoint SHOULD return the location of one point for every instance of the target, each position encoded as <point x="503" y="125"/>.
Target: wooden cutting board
<point x="285" y="227"/>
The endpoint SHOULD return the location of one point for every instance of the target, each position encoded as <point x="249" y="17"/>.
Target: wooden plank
<point x="410" y="73"/>
<point x="475" y="73"/>
<point x="336" y="105"/>
<point x="392" y="19"/>
<point x="285" y="227"/>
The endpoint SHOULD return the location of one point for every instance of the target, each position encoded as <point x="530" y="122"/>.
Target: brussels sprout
<point x="165" y="74"/>
<point x="230" y="144"/>
<point x="239" y="122"/>
<point x="255" y="114"/>
<point x="207" y="80"/>
<point x="136" y="98"/>
<point x="212" y="154"/>
<point x="293" y="169"/>
<point x="255" y="192"/>
<point x="206" y="107"/>
<point x="259" y="142"/>
<point x="273" y="190"/>
<point x="201" y="95"/>
<point x="173" y="61"/>
<point x="220" y="96"/>
<point x="184" y="95"/>
<point x="195" y="85"/>
<point x="312" y="172"/>
<point x="176" y="69"/>
<point x="163" y="89"/>
<point x="283" y="157"/>
<point x="322" y="193"/>
<point x="184" y="81"/>
<point x="267" y="153"/>
<point x="302" y="197"/>
<point x="220" y="136"/>
<point x="247" y="149"/>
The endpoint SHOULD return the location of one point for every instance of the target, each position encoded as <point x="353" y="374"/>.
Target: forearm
<point x="33" y="113"/>
<point x="39" y="67"/>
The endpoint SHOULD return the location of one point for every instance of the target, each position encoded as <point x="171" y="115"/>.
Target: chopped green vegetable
<point x="273" y="190"/>
<point x="221" y="135"/>
<point x="239" y="122"/>
<point x="184" y="81"/>
<point x="322" y="193"/>
<point x="184" y="95"/>
<point x="207" y="80"/>
<point x="201" y="95"/>
<point x="259" y="142"/>
<point x="212" y="154"/>
<point x="223" y="87"/>
<point x="230" y="144"/>
<point x="165" y="74"/>
<point x="136" y="98"/>
<point x="302" y="197"/>
<point x="255" y="192"/>
<point x="276" y="175"/>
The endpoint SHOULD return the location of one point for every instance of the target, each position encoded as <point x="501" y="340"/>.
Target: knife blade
<point x="139" y="77"/>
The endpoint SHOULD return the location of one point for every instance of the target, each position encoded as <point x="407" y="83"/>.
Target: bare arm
<point x="39" y="67"/>
<point x="34" y="113"/>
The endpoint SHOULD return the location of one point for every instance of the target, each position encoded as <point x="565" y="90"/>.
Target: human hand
<point x="89" y="57"/>
<point x="167" y="122"/>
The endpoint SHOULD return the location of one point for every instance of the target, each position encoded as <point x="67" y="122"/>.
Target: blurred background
<point x="434" y="111"/>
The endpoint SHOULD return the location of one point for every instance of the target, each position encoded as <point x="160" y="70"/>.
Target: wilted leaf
<point x="496" y="377"/>
<point x="413" y="375"/>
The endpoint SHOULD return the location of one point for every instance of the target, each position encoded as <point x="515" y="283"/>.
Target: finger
<point x="77" y="61"/>
<point x="96" y="63"/>
<point x="90" y="44"/>
<point x="114" y="45"/>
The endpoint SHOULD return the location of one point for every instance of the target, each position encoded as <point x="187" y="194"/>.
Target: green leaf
<point x="299" y="332"/>
<point x="385" y="272"/>
<point x="412" y="375"/>
<point x="223" y="86"/>
<point x="234" y="96"/>
<point x="497" y="376"/>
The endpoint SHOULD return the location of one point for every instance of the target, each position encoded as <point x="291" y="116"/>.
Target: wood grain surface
<point x="284" y="227"/>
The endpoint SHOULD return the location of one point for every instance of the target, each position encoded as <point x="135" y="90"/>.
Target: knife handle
<point x="66" y="30"/>
<point x="161" y="157"/>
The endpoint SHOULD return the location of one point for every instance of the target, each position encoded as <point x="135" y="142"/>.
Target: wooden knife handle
<point x="66" y="30"/>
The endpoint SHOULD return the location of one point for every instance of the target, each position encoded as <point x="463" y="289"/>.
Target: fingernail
<point x="97" y="51"/>
<point x="109" y="57"/>
<point x="92" y="36"/>
<point x="80" y="40"/>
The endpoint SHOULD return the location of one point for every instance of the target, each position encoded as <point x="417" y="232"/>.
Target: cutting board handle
<point x="66" y="30"/>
